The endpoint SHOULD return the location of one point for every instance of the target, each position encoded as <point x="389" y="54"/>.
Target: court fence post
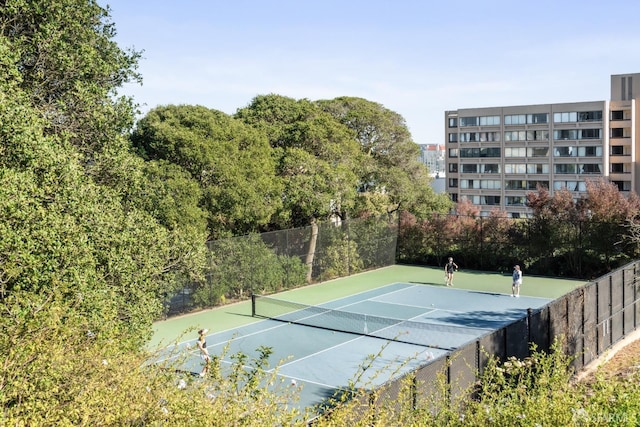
<point x="529" y="315"/>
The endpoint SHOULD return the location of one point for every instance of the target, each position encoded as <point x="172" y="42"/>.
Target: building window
<point x="617" y="115"/>
<point x="617" y="150"/>
<point x="537" y="168"/>
<point x="564" y="152"/>
<point x="470" y="137"/>
<point x="620" y="132"/>
<point x="539" y="118"/>
<point x="581" y="116"/>
<point x="534" y="185"/>
<point x="453" y="182"/>
<point x="537" y="135"/>
<point x="515" y="200"/>
<point x="469" y="183"/>
<point x="515" y="152"/>
<point x="590" y="116"/>
<point x="479" y="136"/>
<point x="515" y="184"/>
<point x="570" y="185"/>
<point x="453" y="137"/>
<point x="490" y="168"/>
<point x="510" y="168"/>
<point x="566" y="168"/>
<point x="515" y="119"/>
<point x="480" y="152"/>
<point x="490" y="121"/>
<point x="623" y="185"/>
<point x="453" y="122"/>
<point x="620" y="168"/>
<point x="565" y="134"/>
<point x="521" y="119"/>
<point x="591" y="168"/>
<point x="569" y="117"/>
<point x="491" y="184"/>
<point x="590" y="151"/>
<point x="468" y="121"/>
<point x="590" y="134"/>
<point x="538" y="152"/>
<point x="453" y="167"/>
<point x="453" y="152"/>
<point x="466" y="168"/>
<point x="480" y="121"/>
<point x="490" y="200"/>
<point x="621" y="115"/>
<point x="516" y="135"/>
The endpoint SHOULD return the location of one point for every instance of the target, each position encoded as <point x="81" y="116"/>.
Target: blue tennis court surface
<point x="321" y="361"/>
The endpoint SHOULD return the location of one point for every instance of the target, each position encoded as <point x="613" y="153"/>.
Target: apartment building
<point x="496" y="155"/>
<point x="432" y="155"/>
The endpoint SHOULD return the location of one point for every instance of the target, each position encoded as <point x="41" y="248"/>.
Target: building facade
<point x="494" y="156"/>
<point x="433" y="156"/>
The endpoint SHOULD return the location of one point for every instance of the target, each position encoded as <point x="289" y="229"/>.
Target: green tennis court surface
<point x="428" y="318"/>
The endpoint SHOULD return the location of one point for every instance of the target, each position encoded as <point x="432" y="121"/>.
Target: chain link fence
<point x="280" y="260"/>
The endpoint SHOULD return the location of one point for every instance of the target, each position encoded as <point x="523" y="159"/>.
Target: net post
<point x="253" y="305"/>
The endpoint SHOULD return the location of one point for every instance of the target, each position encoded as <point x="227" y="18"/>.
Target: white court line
<point x="326" y="302"/>
<point x="304" y="380"/>
<point x="408" y="286"/>
<point x="188" y="343"/>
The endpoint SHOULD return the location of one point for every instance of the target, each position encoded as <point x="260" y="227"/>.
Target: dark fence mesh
<point x="463" y="370"/>
<point x="431" y="384"/>
<point x="590" y="323"/>
<point x="492" y="345"/>
<point x="558" y="317"/>
<point x="575" y="322"/>
<point x="398" y="395"/>
<point x="617" y="303"/>
<point x="539" y="329"/>
<point x="603" y="308"/>
<point x="517" y="338"/>
<point x="279" y="260"/>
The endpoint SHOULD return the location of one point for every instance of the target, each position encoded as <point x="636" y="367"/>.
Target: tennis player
<point x="449" y="268"/>
<point x="516" y="281"/>
<point x="204" y="353"/>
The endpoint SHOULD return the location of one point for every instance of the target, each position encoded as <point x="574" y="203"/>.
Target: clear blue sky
<point x="415" y="57"/>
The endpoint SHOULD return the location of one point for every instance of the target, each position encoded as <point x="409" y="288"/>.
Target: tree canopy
<point x="390" y="164"/>
<point x="70" y="68"/>
<point x="231" y="162"/>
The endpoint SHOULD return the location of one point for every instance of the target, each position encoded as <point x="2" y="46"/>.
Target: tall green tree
<point x="72" y="232"/>
<point x="231" y="162"/>
<point x="317" y="157"/>
<point x="68" y="241"/>
<point x="391" y="165"/>
<point x="70" y="68"/>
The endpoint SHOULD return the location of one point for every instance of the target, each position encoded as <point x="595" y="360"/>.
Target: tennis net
<point x="446" y="337"/>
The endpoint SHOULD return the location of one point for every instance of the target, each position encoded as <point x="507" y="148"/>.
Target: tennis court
<point x="322" y="346"/>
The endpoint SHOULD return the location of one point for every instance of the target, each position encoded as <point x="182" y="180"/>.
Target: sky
<point x="418" y="58"/>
